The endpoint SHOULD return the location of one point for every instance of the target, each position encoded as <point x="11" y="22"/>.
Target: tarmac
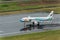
<point x="10" y="24"/>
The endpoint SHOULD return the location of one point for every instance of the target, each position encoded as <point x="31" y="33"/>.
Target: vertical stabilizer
<point x="51" y="14"/>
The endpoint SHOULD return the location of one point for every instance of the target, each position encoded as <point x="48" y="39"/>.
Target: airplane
<point x="37" y="19"/>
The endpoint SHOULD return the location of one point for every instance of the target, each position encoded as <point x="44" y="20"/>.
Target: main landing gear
<point x="32" y="26"/>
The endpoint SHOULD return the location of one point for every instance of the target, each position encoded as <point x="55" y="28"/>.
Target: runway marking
<point x="8" y="22"/>
<point x="18" y="33"/>
<point x="1" y="31"/>
<point x="24" y="32"/>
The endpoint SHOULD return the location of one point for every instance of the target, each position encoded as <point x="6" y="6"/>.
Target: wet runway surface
<point x="10" y="24"/>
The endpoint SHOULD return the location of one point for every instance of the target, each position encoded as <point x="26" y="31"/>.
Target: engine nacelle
<point x="35" y="22"/>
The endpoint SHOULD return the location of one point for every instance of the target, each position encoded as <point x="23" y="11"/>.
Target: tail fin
<point x="51" y="14"/>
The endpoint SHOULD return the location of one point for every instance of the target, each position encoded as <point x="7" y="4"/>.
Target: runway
<point x="10" y="24"/>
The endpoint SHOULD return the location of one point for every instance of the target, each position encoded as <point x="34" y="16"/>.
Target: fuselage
<point x="37" y="19"/>
<point x="29" y="19"/>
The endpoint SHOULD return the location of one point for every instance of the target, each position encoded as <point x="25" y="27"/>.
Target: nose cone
<point x="21" y="20"/>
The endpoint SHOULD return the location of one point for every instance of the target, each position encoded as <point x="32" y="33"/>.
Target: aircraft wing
<point x="38" y="21"/>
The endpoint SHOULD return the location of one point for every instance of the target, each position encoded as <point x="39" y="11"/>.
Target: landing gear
<point x="24" y="24"/>
<point x="31" y="26"/>
<point x="38" y="25"/>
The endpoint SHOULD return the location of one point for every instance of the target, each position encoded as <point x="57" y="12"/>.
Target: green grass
<point x="9" y="6"/>
<point x="49" y="35"/>
<point x="5" y="7"/>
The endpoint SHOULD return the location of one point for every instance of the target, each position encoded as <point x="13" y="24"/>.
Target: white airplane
<point x="37" y="19"/>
